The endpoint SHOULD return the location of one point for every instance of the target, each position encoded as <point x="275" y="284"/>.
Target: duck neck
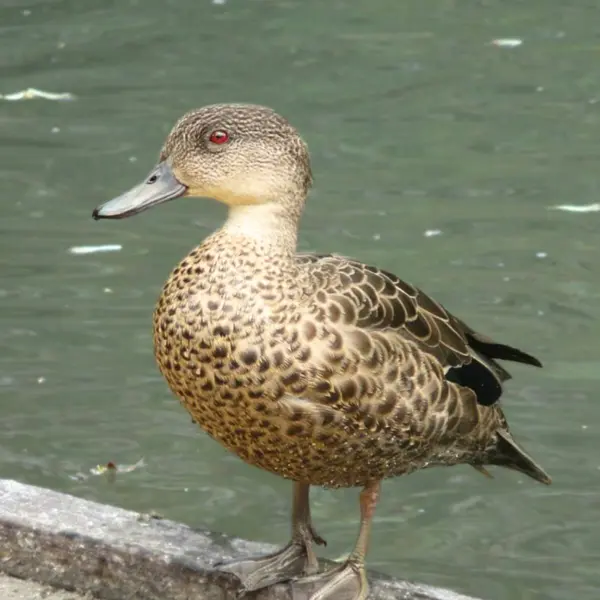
<point x="270" y="226"/>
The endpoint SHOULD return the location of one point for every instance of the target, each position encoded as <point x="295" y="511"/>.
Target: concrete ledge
<point x="12" y="588"/>
<point x="110" y="553"/>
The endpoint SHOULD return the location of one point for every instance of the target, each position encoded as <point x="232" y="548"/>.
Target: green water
<point x="416" y="123"/>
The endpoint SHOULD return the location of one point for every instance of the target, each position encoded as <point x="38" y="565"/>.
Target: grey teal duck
<point x="318" y="368"/>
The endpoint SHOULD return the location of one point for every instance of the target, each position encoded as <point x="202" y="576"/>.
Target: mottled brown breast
<point x="278" y="365"/>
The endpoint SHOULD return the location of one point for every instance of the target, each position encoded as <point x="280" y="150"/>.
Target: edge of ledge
<point x="77" y="545"/>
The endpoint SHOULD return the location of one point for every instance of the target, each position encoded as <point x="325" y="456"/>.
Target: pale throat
<point x="268" y="224"/>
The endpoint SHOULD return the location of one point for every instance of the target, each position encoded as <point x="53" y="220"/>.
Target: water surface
<point x="416" y="123"/>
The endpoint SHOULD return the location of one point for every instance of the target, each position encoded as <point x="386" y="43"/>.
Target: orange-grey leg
<point x="349" y="580"/>
<point x="297" y="558"/>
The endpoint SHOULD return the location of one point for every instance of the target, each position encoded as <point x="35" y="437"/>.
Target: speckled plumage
<point x="317" y="368"/>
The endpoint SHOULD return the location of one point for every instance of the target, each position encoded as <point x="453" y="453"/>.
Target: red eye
<point x="219" y="136"/>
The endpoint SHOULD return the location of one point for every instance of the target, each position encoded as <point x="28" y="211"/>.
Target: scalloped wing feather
<point x="375" y="300"/>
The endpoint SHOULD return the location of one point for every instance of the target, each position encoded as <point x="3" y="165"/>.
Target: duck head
<point x="238" y="154"/>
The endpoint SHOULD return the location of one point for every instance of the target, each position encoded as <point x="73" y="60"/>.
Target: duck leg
<point x="349" y="580"/>
<point x="297" y="558"/>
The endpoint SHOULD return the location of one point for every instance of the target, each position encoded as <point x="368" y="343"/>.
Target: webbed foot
<point x="346" y="582"/>
<point x="296" y="559"/>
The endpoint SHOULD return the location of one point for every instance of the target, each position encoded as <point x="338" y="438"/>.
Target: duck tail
<point x="509" y="454"/>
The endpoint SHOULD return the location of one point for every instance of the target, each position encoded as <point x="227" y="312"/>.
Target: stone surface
<point x="81" y="546"/>
<point x="12" y="588"/>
